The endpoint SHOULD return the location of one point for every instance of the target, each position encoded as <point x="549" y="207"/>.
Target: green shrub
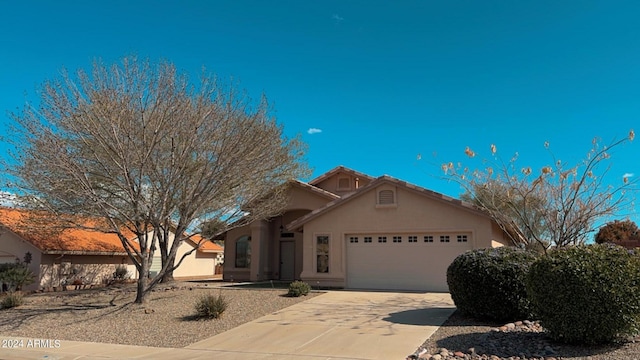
<point x="298" y="288"/>
<point x="491" y="283"/>
<point x="16" y="275"/>
<point x="587" y="294"/>
<point x="211" y="306"/>
<point x="11" y="300"/>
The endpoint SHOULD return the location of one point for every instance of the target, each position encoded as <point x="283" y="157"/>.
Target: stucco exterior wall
<point x="14" y="247"/>
<point x="195" y="265"/>
<point x="304" y="199"/>
<point x="230" y="272"/>
<point x="56" y="270"/>
<point x="266" y="239"/>
<point x="332" y="183"/>
<point x="412" y="213"/>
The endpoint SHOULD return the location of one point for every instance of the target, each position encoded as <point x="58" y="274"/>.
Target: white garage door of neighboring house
<point x="403" y="262"/>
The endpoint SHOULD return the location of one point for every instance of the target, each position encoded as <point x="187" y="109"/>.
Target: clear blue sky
<point x="379" y="81"/>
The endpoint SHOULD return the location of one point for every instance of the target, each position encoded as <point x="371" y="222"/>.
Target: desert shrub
<point x="298" y="288"/>
<point x="211" y="306"/>
<point x="121" y="273"/>
<point x="587" y="294"/>
<point x="11" y="300"/>
<point x="16" y="275"/>
<point x="491" y="283"/>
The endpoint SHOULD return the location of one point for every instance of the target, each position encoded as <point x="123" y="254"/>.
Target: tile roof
<point x="35" y="228"/>
<point x="315" y="189"/>
<point x="338" y="169"/>
<point x="206" y="245"/>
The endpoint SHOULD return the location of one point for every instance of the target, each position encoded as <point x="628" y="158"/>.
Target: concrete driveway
<point x="337" y="325"/>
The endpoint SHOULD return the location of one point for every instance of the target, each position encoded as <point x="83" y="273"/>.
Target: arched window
<point x="243" y="252"/>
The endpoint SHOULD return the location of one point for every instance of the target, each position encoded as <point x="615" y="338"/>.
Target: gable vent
<point x="344" y="184"/>
<point x="385" y="197"/>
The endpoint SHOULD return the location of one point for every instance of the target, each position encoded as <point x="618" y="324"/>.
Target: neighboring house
<point x="62" y="257"/>
<point x="201" y="264"/>
<point x="348" y="229"/>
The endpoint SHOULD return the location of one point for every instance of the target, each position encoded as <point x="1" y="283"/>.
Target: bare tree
<point x="138" y="147"/>
<point x="557" y="206"/>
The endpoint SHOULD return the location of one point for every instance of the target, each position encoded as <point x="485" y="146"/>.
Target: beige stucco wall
<point x="265" y="254"/>
<point x="90" y="269"/>
<point x="331" y="183"/>
<point x="195" y="265"/>
<point x="230" y="272"/>
<point x="304" y="199"/>
<point x="13" y="247"/>
<point x="412" y="213"/>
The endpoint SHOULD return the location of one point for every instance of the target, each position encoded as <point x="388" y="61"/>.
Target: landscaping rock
<point x="498" y="343"/>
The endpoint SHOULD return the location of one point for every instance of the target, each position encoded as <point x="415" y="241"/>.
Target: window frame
<point x="246" y="241"/>
<point x="326" y="253"/>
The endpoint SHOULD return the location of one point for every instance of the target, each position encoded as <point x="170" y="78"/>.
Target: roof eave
<point x="84" y="252"/>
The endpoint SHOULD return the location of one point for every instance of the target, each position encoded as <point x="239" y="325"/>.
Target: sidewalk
<point x="335" y="325"/>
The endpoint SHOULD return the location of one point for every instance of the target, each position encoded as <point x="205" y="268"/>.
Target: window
<point x="322" y="254"/>
<point x="344" y="183"/>
<point x="385" y="197"/>
<point x="397" y="239"/>
<point x="367" y="239"/>
<point x="353" y="239"/>
<point x="413" y="238"/>
<point x="428" y="238"/>
<point x="382" y="239"/>
<point x="462" y="238"/>
<point x="243" y="252"/>
<point x="444" y="238"/>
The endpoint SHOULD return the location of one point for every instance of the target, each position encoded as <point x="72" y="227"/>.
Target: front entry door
<point x="287" y="260"/>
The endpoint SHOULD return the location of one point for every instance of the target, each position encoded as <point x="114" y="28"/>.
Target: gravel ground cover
<point x="165" y="321"/>
<point x="461" y="337"/>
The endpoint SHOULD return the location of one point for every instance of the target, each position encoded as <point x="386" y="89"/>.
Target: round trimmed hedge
<point x="491" y="283"/>
<point x="587" y="294"/>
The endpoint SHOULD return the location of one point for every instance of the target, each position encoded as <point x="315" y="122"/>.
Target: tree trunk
<point x="168" y="275"/>
<point x="167" y="261"/>
<point x="142" y="288"/>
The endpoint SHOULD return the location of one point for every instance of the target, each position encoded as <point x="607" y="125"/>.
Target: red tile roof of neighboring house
<point x="206" y="245"/>
<point x="35" y="228"/>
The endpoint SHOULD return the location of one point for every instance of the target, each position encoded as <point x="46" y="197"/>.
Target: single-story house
<point x="348" y="229"/>
<point x="62" y="257"/>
